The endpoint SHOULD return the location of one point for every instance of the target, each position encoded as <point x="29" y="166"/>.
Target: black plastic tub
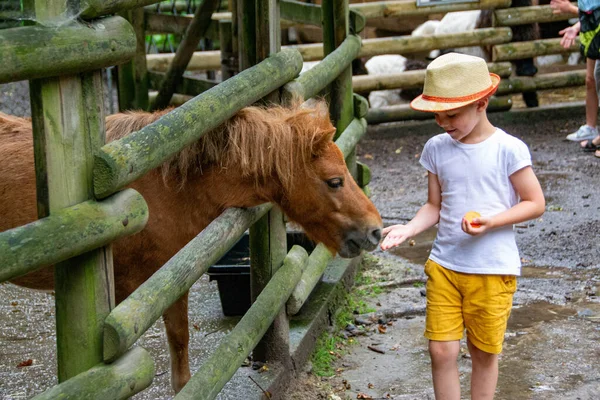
<point x="232" y="273"/>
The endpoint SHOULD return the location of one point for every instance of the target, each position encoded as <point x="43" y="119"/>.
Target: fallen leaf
<point x="370" y="386"/>
<point x="25" y="363"/>
<point x="363" y="396"/>
<point x="368" y="156"/>
<point x="382" y="329"/>
<point x="399" y="150"/>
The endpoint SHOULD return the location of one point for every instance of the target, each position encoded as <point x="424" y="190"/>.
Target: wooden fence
<point x="80" y="181"/>
<point x="499" y="38"/>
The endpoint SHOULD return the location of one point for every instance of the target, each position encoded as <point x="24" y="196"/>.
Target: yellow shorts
<point x="479" y="303"/>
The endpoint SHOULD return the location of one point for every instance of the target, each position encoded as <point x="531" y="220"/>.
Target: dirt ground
<point x="552" y="346"/>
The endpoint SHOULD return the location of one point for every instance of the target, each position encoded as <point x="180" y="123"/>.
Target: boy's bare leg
<point x="444" y="369"/>
<point x="591" y="95"/>
<point x="484" y="376"/>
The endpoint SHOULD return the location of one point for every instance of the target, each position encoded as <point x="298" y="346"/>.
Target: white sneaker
<point x="585" y="132"/>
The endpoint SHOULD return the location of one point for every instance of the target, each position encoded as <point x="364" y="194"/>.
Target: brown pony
<point x="280" y="155"/>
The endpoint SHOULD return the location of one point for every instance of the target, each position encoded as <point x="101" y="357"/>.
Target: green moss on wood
<point x="70" y="232"/>
<point x="42" y="51"/>
<point x="125" y="160"/>
<point x="131" y="318"/>
<point x="210" y="378"/>
<point x="127" y="376"/>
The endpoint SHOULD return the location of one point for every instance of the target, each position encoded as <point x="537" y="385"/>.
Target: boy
<point x="473" y="265"/>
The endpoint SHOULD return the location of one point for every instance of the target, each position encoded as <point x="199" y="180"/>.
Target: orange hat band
<point x="460" y="99"/>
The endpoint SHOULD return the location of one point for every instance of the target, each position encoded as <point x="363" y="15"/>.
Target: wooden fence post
<point x="68" y="122"/>
<point x="341" y="106"/>
<point x="132" y="78"/>
<point x="268" y="241"/>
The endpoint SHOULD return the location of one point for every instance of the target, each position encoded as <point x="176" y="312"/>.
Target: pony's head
<point x="293" y="148"/>
<point x="283" y="155"/>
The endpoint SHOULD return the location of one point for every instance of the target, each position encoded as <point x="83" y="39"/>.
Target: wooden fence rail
<point x="70" y="232"/>
<point x="125" y="160"/>
<point x="215" y="372"/>
<point x="38" y="51"/>
<point x="127" y="376"/>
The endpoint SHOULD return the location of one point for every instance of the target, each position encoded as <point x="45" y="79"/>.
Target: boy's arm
<point x="532" y="204"/>
<point x="427" y="216"/>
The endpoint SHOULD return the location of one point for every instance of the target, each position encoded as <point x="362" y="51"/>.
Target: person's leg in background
<point x="589" y="130"/>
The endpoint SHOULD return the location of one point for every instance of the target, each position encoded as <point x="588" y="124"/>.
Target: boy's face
<point x="461" y="122"/>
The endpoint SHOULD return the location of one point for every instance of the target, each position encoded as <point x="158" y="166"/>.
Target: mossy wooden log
<point x="132" y="317"/>
<point x="413" y="44"/>
<point x="165" y="23"/>
<point x="519" y="84"/>
<point x="302" y="13"/>
<point x="177" y="99"/>
<point x="215" y="372"/>
<point x="336" y="29"/>
<point x="127" y="376"/>
<point x="311" y="82"/>
<point x="69" y="232"/>
<point x="404" y="112"/>
<point x="133" y="76"/>
<point x="295" y="12"/>
<point x="405" y="8"/>
<point x="121" y="162"/>
<point x="410" y="79"/>
<point x="350" y="137"/>
<point x="170" y="6"/>
<point x="364" y="175"/>
<point x="39" y="51"/>
<point x="316" y="264"/>
<point x="205" y="60"/>
<point x="529" y="15"/>
<point x="91" y="9"/>
<point x="361" y="106"/>
<point x="534" y="48"/>
<point x="176" y="24"/>
<point x="268" y="244"/>
<point x="195" y="31"/>
<point x="200" y="61"/>
<point x="189" y="86"/>
<point x="68" y="128"/>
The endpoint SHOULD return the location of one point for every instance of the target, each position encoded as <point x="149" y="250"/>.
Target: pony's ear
<point x="322" y="140"/>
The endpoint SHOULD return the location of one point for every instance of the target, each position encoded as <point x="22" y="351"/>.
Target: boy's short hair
<point x="455" y="80"/>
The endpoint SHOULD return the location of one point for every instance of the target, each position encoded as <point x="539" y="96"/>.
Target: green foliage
<point x="328" y="349"/>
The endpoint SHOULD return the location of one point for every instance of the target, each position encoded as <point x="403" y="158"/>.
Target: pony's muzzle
<point x="356" y="241"/>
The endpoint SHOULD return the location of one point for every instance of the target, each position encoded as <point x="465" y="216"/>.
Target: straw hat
<point x="453" y="81"/>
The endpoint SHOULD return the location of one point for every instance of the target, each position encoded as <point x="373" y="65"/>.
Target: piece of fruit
<point x="470" y="216"/>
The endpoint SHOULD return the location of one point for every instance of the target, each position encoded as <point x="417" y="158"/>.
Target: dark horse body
<point x="280" y="155"/>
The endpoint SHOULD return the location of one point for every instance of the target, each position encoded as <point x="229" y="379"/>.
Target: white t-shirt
<point x="475" y="177"/>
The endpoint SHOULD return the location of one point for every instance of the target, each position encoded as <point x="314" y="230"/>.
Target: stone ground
<point x="552" y="347"/>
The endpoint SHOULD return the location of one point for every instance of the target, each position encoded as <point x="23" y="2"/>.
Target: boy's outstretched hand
<point x="482" y="224"/>
<point x="395" y="235"/>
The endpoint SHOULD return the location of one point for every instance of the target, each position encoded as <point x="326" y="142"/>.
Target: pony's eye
<point x="335" y="183"/>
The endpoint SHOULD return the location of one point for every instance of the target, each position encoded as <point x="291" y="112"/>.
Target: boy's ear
<point x="483" y="103"/>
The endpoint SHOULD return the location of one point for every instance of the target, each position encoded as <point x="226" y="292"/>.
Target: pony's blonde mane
<point x="262" y="141"/>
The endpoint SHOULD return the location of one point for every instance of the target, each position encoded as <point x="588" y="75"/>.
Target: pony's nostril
<point x="375" y="236"/>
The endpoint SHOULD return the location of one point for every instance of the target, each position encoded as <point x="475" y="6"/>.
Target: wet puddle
<point x="417" y="249"/>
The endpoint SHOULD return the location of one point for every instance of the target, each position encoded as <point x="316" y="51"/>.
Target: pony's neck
<point x="220" y="188"/>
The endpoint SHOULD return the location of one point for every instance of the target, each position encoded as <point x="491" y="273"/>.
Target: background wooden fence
<point x="499" y="37"/>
